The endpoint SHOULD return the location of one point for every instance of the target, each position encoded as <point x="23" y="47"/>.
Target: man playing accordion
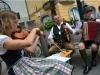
<point x="83" y="44"/>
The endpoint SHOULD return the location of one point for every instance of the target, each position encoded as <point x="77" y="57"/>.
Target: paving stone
<point x="79" y="64"/>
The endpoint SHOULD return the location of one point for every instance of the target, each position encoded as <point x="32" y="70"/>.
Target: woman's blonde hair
<point x="7" y="19"/>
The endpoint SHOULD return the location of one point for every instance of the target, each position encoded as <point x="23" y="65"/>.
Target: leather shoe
<point x="94" y="63"/>
<point x="87" y="69"/>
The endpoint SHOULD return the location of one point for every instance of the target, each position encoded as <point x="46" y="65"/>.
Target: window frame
<point x="71" y="9"/>
<point x="4" y="3"/>
<point x="42" y="17"/>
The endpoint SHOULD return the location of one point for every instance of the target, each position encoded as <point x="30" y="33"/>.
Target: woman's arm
<point x="33" y="46"/>
<point x="11" y="44"/>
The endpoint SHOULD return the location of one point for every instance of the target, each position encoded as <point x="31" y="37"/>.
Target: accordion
<point x="91" y="31"/>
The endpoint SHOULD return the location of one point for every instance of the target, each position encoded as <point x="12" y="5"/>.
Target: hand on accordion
<point x="79" y="31"/>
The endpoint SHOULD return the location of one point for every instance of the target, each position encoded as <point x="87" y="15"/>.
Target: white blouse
<point x="3" y="38"/>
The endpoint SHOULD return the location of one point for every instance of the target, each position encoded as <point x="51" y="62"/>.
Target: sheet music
<point x="58" y="57"/>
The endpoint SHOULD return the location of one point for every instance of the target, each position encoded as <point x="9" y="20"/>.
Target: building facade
<point x="39" y="10"/>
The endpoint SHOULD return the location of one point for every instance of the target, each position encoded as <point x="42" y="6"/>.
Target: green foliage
<point x="48" y="25"/>
<point x="20" y="27"/>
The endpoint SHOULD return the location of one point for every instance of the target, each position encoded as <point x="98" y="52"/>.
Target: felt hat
<point x="87" y="8"/>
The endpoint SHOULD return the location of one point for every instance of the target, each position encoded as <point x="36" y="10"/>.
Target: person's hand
<point x="36" y="29"/>
<point x="71" y="20"/>
<point x="52" y="41"/>
<point x="82" y="20"/>
<point x="41" y="33"/>
<point x="79" y="31"/>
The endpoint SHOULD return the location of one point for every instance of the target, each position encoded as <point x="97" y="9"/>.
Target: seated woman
<point x="10" y="51"/>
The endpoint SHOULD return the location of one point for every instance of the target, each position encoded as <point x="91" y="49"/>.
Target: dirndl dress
<point x="41" y="66"/>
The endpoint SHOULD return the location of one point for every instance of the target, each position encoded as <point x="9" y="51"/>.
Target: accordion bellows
<point x="91" y="31"/>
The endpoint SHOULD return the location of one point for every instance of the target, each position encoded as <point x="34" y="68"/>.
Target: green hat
<point x="87" y="8"/>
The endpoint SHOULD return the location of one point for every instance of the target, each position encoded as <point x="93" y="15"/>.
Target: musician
<point x="57" y="35"/>
<point x="87" y="10"/>
<point x="10" y="51"/>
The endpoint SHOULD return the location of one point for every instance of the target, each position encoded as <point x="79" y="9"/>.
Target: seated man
<point x="87" y="11"/>
<point x="58" y="36"/>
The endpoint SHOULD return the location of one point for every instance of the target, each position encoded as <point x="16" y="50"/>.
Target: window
<point x="93" y="12"/>
<point x="4" y="6"/>
<point x="45" y="18"/>
<point x="73" y="12"/>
